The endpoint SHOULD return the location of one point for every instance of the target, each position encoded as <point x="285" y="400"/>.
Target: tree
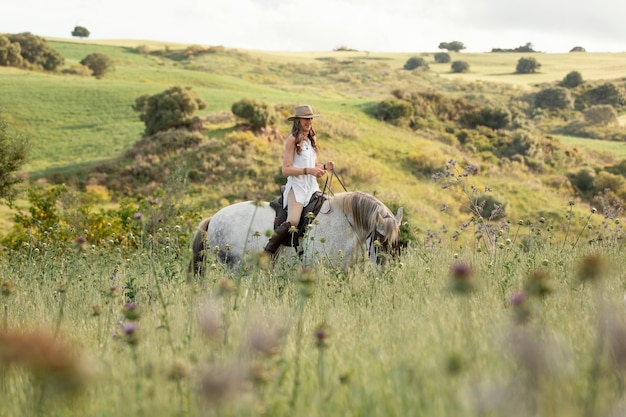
<point x="527" y="66"/>
<point x="572" y="80"/>
<point x="454" y="46"/>
<point x="442" y="57"/>
<point x="80" y="32"/>
<point x="10" y="53"/>
<point x="170" y="109"/>
<point x="394" y="111"/>
<point x="36" y="52"/>
<point x="460" y="66"/>
<point x="13" y="152"/>
<point x="99" y="64"/>
<point x="257" y="113"/>
<point x="416" y="62"/>
<point x="578" y="49"/>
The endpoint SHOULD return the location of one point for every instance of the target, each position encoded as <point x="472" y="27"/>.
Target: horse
<point x="349" y="226"/>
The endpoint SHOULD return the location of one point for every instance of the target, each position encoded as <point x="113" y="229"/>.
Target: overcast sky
<point x="323" y="25"/>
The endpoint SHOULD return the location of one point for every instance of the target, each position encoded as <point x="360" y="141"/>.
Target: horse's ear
<point x="399" y="215"/>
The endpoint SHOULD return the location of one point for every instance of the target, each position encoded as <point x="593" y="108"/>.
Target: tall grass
<point x="537" y="330"/>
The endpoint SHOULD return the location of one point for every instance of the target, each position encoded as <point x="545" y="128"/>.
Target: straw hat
<point x="303" y="112"/>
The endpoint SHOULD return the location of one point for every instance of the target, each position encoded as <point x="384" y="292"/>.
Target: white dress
<point x="304" y="186"/>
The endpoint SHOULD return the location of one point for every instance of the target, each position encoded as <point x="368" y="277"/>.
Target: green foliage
<point x="99" y="64"/>
<point x="527" y="65"/>
<point x="572" y="80"/>
<point x="34" y="51"/>
<point x="454" y="46"/>
<point x="601" y="114"/>
<point x="257" y="113"/>
<point x="171" y="109"/>
<point x="13" y="153"/>
<point x="488" y="206"/>
<point x="554" y="98"/>
<point x="583" y="181"/>
<point x="606" y="93"/>
<point x="416" y="62"/>
<point x="491" y="116"/>
<point x="80" y="32"/>
<point x="528" y="47"/>
<point x="460" y="66"/>
<point x="394" y="111"/>
<point x="578" y="49"/>
<point x="442" y="57"/>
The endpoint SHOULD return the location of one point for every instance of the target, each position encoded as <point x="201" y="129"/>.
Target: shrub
<point x="34" y="50"/>
<point x="527" y="65"/>
<point x="572" y="80"/>
<point x="80" y="32"/>
<point x="488" y="207"/>
<point x="578" y="49"/>
<point x="416" y="62"/>
<point x="608" y="181"/>
<point x="13" y="152"/>
<point x="460" y="66"/>
<point x="493" y="117"/>
<point x="170" y="109"/>
<point x="583" y="181"/>
<point x="455" y="46"/>
<point x="554" y="98"/>
<point x="601" y="114"/>
<point x="442" y="57"/>
<point x="607" y="93"/>
<point x="393" y="111"/>
<point x="256" y="112"/>
<point x="99" y="64"/>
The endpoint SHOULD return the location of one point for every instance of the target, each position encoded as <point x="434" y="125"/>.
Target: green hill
<point x="83" y="130"/>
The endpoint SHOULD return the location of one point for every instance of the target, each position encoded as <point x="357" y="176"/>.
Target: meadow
<point x="529" y="325"/>
<point x="518" y="316"/>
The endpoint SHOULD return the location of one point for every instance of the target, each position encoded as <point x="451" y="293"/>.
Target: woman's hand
<point x="330" y="165"/>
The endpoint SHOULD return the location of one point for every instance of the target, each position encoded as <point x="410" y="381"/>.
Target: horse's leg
<point x="198" y="246"/>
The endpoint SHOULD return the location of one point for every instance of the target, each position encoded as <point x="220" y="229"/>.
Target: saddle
<point x="314" y="206"/>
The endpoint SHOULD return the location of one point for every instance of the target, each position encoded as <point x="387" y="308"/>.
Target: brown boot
<point x="277" y="238"/>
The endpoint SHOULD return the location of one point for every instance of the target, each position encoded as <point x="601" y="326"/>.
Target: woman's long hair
<point x="296" y="131"/>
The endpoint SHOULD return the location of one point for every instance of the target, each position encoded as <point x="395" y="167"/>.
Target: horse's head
<point x="385" y="239"/>
<point x="380" y="227"/>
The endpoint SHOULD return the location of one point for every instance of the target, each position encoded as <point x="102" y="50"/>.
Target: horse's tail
<point x="199" y="242"/>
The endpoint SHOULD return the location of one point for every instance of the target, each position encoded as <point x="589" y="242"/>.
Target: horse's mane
<point x="368" y="212"/>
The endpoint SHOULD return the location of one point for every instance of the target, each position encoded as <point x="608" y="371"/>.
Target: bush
<point x="554" y="98"/>
<point x="493" y="117"/>
<point x="442" y="57"/>
<point x="527" y="66"/>
<point x="80" y="32"/>
<point x="578" y="49"/>
<point x="33" y="51"/>
<point x="488" y="207"/>
<point x="99" y="64"/>
<point x="393" y="111"/>
<point x="601" y="114"/>
<point x="607" y="93"/>
<point x="13" y="152"/>
<point x="455" y="46"/>
<point x="257" y="113"/>
<point x="416" y="62"/>
<point x="460" y="66"/>
<point x="170" y="109"/>
<point x="572" y="80"/>
<point x="583" y="181"/>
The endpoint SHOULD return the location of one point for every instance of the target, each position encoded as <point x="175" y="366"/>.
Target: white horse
<point x="349" y="226"/>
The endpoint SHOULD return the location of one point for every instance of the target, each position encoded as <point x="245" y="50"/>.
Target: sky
<point x="323" y="25"/>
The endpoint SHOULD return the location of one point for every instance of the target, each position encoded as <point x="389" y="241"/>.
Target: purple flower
<point x="518" y="298"/>
<point x="138" y="215"/>
<point x="81" y="240"/>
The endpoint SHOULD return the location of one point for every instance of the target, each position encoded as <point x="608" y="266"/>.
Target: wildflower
<point x="6" y="288"/>
<point x="224" y="383"/>
<point x="520" y="307"/>
<point x="54" y="362"/>
<point x="130" y="311"/>
<point x="138" y="215"/>
<point x="129" y="330"/>
<point x="177" y="372"/>
<point x="264" y="340"/>
<point x="210" y="321"/>
<point x="321" y="336"/>
<point x="591" y="268"/>
<point x="539" y="283"/>
<point x="461" y="277"/>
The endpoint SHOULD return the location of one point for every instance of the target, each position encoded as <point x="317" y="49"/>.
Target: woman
<point x="301" y="169"/>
